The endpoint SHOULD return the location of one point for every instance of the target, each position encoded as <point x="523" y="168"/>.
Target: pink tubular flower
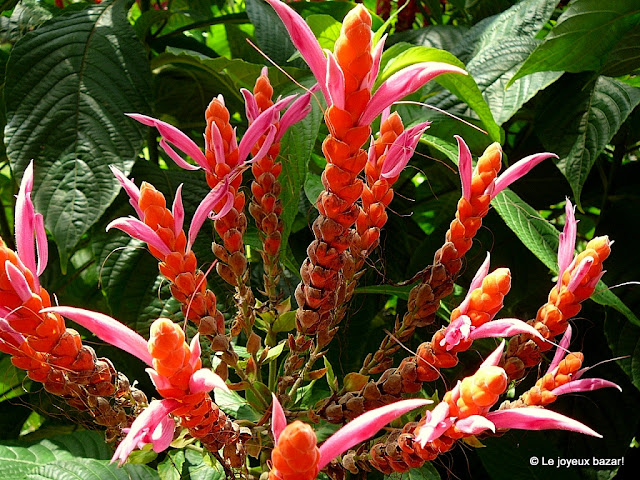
<point x="331" y="78"/>
<point x="401" y="150"/>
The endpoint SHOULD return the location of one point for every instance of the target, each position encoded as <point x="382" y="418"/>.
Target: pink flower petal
<point x="505" y="327"/>
<point x="18" y="281"/>
<point x="137" y="229"/>
<point x="177" y="211"/>
<point x="250" y="105"/>
<point x="584" y="385"/>
<point x="335" y="82"/>
<point x="144" y="426"/>
<point x="537" y="419"/>
<point x="376" y="55"/>
<point x="296" y="112"/>
<point x="216" y="143"/>
<point x="25" y="224"/>
<point x="158" y="380"/>
<point x="518" y="170"/>
<point x="579" y="272"/>
<point x="174" y="136"/>
<point x="132" y="190"/>
<point x="567" y="242"/>
<point x="465" y="167"/>
<point x="42" y="246"/>
<point x="305" y="41"/>
<point x="364" y="427"/>
<point x="16" y="338"/>
<point x="561" y="351"/>
<point x="108" y="329"/>
<point x="202" y="212"/>
<point x="175" y="157"/>
<point x="401" y="150"/>
<point x="437" y="422"/>
<point x="162" y="436"/>
<point x="195" y="349"/>
<point x="278" y="418"/>
<point x="204" y="380"/>
<point x="475" y="424"/>
<point x="260" y="126"/>
<point x="458" y="330"/>
<point x="266" y="145"/>
<point x="494" y="359"/>
<point x="403" y="83"/>
<point x="482" y="272"/>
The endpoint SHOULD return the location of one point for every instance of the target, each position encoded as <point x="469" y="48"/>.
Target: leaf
<point x="198" y="469"/>
<point x="68" y="85"/>
<point x="233" y="404"/>
<point x="295" y="149"/>
<point x="354" y="382"/>
<point x="285" y="322"/>
<point x="326" y="29"/>
<point x="171" y="467"/>
<point x="400" y="292"/>
<point x="541" y="238"/>
<point x="425" y="472"/>
<point x="579" y="128"/>
<point x="331" y="376"/>
<point x="463" y="87"/>
<point x="624" y="340"/>
<point x="12" y="380"/>
<point x="17" y="461"/>
<point x="444" y="37"/>
<point x="497" y="48"/>
<point x="91" y="469"/>
<point x="583" y="37"/>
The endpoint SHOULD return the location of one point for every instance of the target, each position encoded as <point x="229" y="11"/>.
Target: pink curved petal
<point x="458" y="330"/>
<point x="579" y="272"/>
<point x="584" y="385"/>
<point x="250" y="105"/>
<point x="482" y="272"/>
<point x="537" y="419"/>
<point x="403" y="83"/>
<point x="143" y="428"/>
<point x="475" y="424"/>
<point x="278" y="418"/>
<point x="505" y="327"/>
<point x="158" y="380"/>
<point x="266" y="145"/>
<point x="260" y="126"/>
<point x="494" y="359"/>
<point x="216" y="142"/>
<point x="25" y="223"/>
<point x="108" y="329"/>
<point x="518" y="170"/>
<point x="364" y="427"/>
<point x="202" y="212"/>
<point x="296" y="112"/>
<point x="305" y="41"/>
<point x="16" y="338"/>
<point x="561" y="351"/>
<point x="132" y="190"/>
<point x="376" y="55"/>
<point x="204" y="380"/>
<point x="437" y="422"/>
<point x="18" y="281"/>
<point x="137" y="229"/>
<point x="195" y="349"/>
<point x="162" y="436"/>
<point x="335" y="82"/>
<point x="174" y="136"/>
<point x="177" y="210"/>
<point x="175" y="157"/>
<point x="401" y="150"/>
<point x="465" y="167"/>
<point x="42" y="246"/>
<point x="567" y="243"/>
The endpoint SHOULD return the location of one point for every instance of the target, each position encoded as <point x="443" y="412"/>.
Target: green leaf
<point x="235" y="405"/>
<point x="579" y="128"/>
<point x="583" y="37"/>
<point x="68" y="85"/>
<point x="400" y="292"/>
<point x="285" y="322"/>
<point x="326" y="29"/>
<point x="295" y="149"/>
<point x="539" y="236"/>
<point x="624" y="341"/>
<point x="171" y="467"/>
<point x="199" y="469"/>
<point x="425" y="472"/>
<point x="12" y="380"/>
<point x="331" y="376"/>
<point x="17" y="461"/>
<point x="463" y="87"/>
<point x="91" y="469"/>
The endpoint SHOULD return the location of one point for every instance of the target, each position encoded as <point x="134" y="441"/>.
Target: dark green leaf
<point x="583" y="37"/>
<point x="425" y="472"/>
<point x="68" y="85"/>
<point x="90" y="469"/>
<point x="579" y="128"/>
<point x="624" y="341"/>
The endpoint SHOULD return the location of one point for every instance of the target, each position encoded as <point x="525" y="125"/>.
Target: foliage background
<point x="543" y="76"/>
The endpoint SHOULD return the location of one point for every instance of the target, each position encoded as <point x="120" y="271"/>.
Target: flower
<point x="331" y="77"/>
<point x="363" y="427"/>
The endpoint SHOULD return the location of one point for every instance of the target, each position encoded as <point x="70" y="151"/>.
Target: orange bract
<point x="296" y="455"/>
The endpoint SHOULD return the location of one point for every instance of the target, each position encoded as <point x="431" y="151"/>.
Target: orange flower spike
<point x="478" y="392"/>
<point x="296" y="455"/>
